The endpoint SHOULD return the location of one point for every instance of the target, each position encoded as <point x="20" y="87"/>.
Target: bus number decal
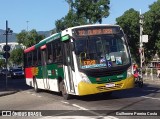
<point x="89" y="62"/>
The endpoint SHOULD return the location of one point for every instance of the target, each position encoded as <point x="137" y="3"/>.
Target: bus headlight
<point x="84" y="78"/>
<point x="129" y="71"/>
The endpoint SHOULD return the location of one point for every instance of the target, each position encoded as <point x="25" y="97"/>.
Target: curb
<point x="4" y="93"/>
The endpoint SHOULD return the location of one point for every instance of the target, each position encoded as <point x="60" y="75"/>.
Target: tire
<point x="65" y="95"/>
<point x="140" y="83"/>
<point x="12" y="77"/>
<point x="35" y="85"/>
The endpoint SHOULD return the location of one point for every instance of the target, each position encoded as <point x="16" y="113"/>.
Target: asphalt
<point x="8" y="91"/>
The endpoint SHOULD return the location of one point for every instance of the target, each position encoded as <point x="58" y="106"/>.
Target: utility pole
<point x="6" y="52"/>
<point x="140" y="41"/>
<point x="141" y="51"/>
<point x="6" y="48"/>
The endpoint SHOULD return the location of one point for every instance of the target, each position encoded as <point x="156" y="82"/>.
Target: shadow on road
<point x="17" y="84"/>
<point x="129" y="93"/>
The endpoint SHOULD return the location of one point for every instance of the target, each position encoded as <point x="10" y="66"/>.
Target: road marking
<point x="65" y="102"/>
<point x="95" y="113"/>
<point x="151" y="98"/>
<point x="39" y="96"/>
<point x="33" y="94"/>
<point x="82" y="108"/>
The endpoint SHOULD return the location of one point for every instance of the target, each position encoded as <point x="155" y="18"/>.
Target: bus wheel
<point x="35" y="85"/>
<point x="65" y="95"/>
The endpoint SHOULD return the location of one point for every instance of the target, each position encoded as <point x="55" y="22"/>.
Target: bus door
<point x="44" y="69"/>
<point x="69" y="68"/>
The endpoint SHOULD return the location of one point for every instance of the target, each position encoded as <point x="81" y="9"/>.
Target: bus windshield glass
<point x="101" y="51"/>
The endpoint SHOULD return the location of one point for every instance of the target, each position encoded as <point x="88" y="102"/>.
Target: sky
<point x="42" y="14"/>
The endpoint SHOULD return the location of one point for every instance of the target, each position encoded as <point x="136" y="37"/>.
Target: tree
<point x="16" y="56"/>
<point x="92" y="10"/>
<point x="29" y="38"/>
<point x="151" y="27"/>
<point x="2" y="63"/>
<point x="83" y="12"/>
<point x="70" y="20"/>
<point x="129" y="21"/>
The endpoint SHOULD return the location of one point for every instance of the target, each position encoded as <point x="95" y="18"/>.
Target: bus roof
<point x="43" y="42"/>
<point x="66" y="31"/>
<point x="58" y="35"/>
<point x="92" y="25"/>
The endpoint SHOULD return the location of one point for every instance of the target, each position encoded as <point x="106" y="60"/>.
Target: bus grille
<point x="104" y="73"/>
<point x="104" y="88"/>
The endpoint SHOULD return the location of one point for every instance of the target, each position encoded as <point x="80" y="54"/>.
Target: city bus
<point x="81" y="60"/>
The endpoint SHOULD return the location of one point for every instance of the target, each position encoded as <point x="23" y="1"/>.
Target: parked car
<point x="16" y="73"/>
<point x="4" y="71"/>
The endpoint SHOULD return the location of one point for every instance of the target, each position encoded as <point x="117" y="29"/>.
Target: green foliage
<point x="70" y="20"/>
<point x="92" y="10"/>
<point x="2" y="63"/>
<point x="16" y="56"/>
<point x="83" y="12"/>
<point x="129" y="21"/>
<point x="151" y="27"/>
<point x="29" y="38"/>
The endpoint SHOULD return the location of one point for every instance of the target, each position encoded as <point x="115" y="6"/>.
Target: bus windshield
<point x="101" y="51"/>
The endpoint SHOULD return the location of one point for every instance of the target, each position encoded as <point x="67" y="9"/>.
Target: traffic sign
<point x="6" y="55"/>
<point x="6" y="48"/>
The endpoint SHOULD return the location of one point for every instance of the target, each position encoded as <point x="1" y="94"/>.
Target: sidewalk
<point x="154" y="81"/>
<point x="8" y="91"/>
<point x="151" y="79"/>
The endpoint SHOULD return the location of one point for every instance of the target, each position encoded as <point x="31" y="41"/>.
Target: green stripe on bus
<point x="47" y="40"/>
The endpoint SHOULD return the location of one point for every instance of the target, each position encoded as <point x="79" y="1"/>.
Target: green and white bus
<point x="81" y="60"/>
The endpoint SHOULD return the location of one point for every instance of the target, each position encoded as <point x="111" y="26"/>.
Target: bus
<point x="81" y="60"/>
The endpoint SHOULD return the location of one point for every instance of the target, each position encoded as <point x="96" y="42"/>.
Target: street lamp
<point x="27" y="25"/>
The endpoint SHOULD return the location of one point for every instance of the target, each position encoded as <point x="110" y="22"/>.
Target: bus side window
<point x="49" y="53"/>
<point x="54" y="51"/>
<point x="29" y="59"/>
<point x="39" y="57"/>
<point x="35" y="58"/>
<point x="58" y="50"/>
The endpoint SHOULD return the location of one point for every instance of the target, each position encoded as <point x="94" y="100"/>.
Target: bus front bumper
<point x="87" y="88"/>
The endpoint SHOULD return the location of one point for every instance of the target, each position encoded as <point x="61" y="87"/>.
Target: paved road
<point x="120" y="102"/>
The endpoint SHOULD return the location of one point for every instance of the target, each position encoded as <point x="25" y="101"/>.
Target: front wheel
<point x="140" y="83"/>
<point x="65" y="95"/>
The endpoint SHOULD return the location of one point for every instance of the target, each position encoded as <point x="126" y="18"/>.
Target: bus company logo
<point x="34" y="71"/>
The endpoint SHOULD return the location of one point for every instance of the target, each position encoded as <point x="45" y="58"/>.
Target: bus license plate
<point x="110" y="85"/>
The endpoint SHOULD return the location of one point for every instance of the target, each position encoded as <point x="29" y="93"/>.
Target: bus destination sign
<point x="96" y="31"/>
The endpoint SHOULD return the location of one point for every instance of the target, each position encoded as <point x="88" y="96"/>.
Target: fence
<point x="150" y="74"/>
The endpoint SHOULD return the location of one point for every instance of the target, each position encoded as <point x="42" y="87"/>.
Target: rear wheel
<point x="35" y="85"/>
<point x="65" y="95"/>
